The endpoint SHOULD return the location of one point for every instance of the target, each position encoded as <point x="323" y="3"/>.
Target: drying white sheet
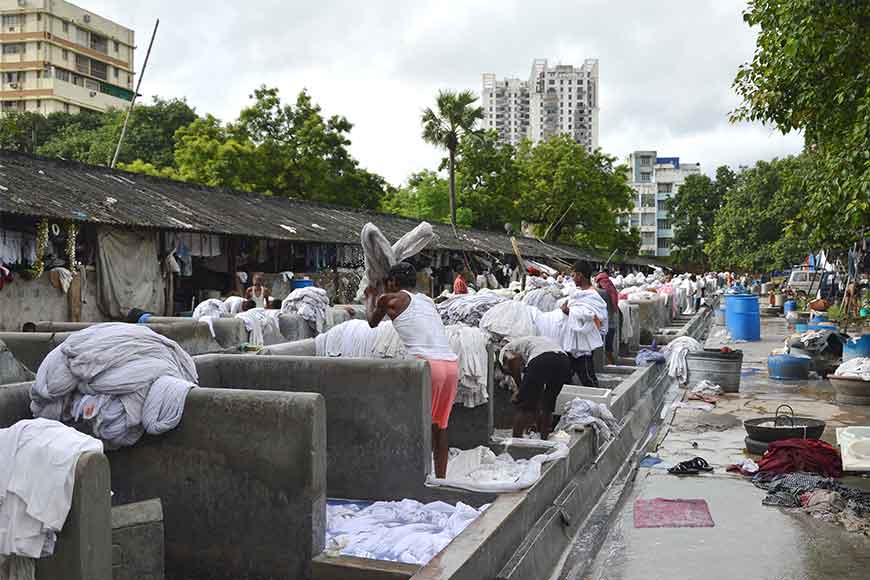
<point x="626" y="332"/>
<point x="579" y="413"/>
<point x="480" y="469"/>
<point x="39" y="457"/>
<point x="311" y="304"/>
<point x="104" y="374"/>
<point x="676" y="352"/>
<point x="233" y="304"/>
<point x="398" y="531"/>
<point x="856" y="368"/>
<point x="262" y="326"/>
<point x="470" y="346"/>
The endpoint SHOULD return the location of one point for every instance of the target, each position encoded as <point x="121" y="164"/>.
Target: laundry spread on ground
<point x="105" y="375"/>
<point x="801" y="455"/>
<point x="39" y="458"/>
<point x="404" y="531"/>
<point x="672" y="513"/>
<point x="311" y="304"/>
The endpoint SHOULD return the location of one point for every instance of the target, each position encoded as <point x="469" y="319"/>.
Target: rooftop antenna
<point x="136" y="94"/>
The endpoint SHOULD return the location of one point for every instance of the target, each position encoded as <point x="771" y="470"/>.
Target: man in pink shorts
<point x="419" y="325"/>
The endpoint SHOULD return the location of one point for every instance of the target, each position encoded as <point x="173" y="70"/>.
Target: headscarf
<point x="604" y="282"/>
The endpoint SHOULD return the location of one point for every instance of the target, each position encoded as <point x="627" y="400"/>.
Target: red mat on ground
<point x="672" y="513"/>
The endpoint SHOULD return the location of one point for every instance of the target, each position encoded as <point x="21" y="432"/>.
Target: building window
<point x="666" y="187"/>
<point x="11" y="21"/>
<point x="662" y="205"/>
<point x="664" y="224"/>
<point x="645" y="161"/>
<point x="39" y="16"/>
<point x="13" y="47"/>
<point x="15" y="77"/>
<point x="83" y="64"/>
<point x="100" y="43"/>
<point x="664" y="244"/>
<point x="646" y="176"/>
<point x="647" y="219"/>
<point x="38" y="103"/>
<point x="99" y="70"/>
<point x="635" y="220"/>
<point x="66" y="107"/>
<point x="66" y="27"/>
<point x="116" y="74"/>
<point x="117" y="46"/>
<point x="65" y="54"/>
<point x="61" y="74"/>
<point x="647" y="238"/>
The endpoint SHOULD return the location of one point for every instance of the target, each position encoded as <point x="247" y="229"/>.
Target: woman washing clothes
<point x="419" y="326"/>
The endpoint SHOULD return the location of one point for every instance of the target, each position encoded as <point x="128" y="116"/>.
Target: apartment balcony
<point x="665" y="233"/>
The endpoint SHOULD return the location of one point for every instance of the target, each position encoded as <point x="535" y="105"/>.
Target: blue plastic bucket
<point x="296" y="284"/>
<point x="789" y="306"/>
<point x="785" y="367"/>
<point x="857" y="347"/>
<point x="742" y="317"/>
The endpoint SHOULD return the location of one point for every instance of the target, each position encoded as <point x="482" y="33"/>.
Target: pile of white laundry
<point x="676" y="352"/>
<point x="123" y="380"/>
<point x="36" y="485"/>
<point x="262" y="326"/>
<point x="855" y="368"/>
<point x="469" y="344"/>
<point x="468" y="308"/>
<point x="509" y="320"/>
<point x="351" y="339"/>
<point x="211" y="308"/>
<point x="544" y="299"/>
<point x="404" y="531"/>
<point x="379" y="255"/>
<point x="311" y="304"/>
<point x="579" y="413"/>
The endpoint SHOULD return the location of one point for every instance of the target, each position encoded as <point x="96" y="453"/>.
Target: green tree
<point x="572" y="195"/>
<point x="454" y="117"/>
<point x="27" y="132"/>
<point x="693" y="210"/>
<point x="811" y="72"/>
<point x="750" y="232"/>
<point x="425" y="197"/>
<point x="488" y="181"/>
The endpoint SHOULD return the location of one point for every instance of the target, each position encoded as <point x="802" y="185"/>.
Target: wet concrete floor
<point x="749" y="540"/>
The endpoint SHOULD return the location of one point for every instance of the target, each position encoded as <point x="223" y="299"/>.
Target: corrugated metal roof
<point x="58" y="189"/>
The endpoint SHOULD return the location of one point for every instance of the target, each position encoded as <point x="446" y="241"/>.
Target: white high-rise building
<point x="562" y="99"/>
<point x="655" y="180"/>
<point x="58" y="57"/>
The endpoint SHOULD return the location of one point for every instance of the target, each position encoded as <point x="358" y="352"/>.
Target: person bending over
<point x="419" y="326"/>
<point x="540" y="369"/>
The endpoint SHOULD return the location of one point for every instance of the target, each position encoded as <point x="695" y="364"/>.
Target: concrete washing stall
<point x="242" y="483"/>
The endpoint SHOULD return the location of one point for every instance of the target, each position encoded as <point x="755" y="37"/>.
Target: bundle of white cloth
<point x="676" y="352"/>
<point x="469" y="344"/>
<point x="468" y="308"/>
<point x="544" y="299"/>
<point x="39" y="458"/>
<point x="404" y="531"/>
<point x="262" y="326"/>
<point x="855" y="368"/>
<point x="123" y="380"/>
<point x="211" y="308"/>
<point x="233" y="304"/>
<point x="310" y="303"/>
<point x="356" y="339"/>
<point x="578" y="413"/>
<point x="626" y="331"/>
<point x="582" y="334"/>
<point x="379" y="255"/>
<point x="510" y="320"/>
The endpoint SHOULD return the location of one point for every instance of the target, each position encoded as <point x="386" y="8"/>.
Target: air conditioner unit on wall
<point x="22" y="2"/>
<point x="86" y="17"/>
<point x="13" y="85"/>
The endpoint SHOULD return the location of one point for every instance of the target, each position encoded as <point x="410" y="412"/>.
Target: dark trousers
<point x="584" y="368"/>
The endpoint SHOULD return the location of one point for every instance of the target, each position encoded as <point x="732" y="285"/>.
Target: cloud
<point x="666" y="69"/>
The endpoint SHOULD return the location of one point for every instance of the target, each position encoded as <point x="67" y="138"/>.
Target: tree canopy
<point x="750" y="232"/>
<point x="693" y="209"/>
<point x="811" y="72"/>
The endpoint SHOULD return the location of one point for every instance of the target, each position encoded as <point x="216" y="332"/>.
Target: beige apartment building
<point x="58" y="57"/>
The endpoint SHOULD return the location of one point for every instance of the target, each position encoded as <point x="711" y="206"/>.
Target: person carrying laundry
<point x="586" y="324"/>
<point x="419" y="326"/>
<point x="540" y="369"/>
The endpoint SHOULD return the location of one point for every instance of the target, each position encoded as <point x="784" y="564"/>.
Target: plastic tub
<point x="720" y="368"/>
<point x="857" y="347"/>
<point x="849" y="391"/>
<point x="785" y="367"/>
<point x="296" y="284"/>
<point x="789" y="306"/>
<point x="742" y="317"/>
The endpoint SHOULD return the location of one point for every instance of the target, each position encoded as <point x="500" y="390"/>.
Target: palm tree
<point x="455" y="116"/>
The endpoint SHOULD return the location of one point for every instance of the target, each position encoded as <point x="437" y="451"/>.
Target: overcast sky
<point x="666" y="68"/>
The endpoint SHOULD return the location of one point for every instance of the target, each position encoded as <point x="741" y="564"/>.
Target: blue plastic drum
<point x="858" y="347"/>
<point x="789" y="306"/>
<point x="785" y="367"/>
<point x="742" y="317"/>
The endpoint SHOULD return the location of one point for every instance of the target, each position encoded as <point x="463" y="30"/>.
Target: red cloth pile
<point x="806" y="455"/>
